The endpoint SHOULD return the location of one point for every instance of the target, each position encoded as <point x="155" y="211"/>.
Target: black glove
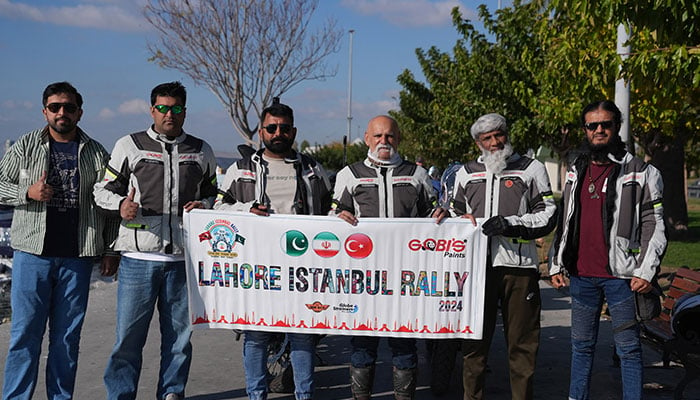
<point x="495" y="226"/>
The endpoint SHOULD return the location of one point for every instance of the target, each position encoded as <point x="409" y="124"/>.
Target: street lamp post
<point x="348" y="136"/>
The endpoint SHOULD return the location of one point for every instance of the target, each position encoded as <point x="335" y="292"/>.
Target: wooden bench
<point x="659" y="334"/>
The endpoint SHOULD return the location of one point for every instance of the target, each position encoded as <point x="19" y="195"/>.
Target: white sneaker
<point x="173" y="396"/>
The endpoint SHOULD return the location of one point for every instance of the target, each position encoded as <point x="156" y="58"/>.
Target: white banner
<point x="402" y="277"/>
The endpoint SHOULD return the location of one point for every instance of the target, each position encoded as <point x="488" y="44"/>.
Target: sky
<point x="100" y="46"/>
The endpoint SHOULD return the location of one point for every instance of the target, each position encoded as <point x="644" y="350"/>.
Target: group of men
<point x="74" y="202"/>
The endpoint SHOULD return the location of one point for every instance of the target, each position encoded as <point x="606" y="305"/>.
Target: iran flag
<point x="326" y="244"/>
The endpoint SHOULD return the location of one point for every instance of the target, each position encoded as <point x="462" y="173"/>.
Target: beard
<point x="497" y="161"/>
<point x="279" y="145"/>
<point x="394" y="158"/>
<point x="67" y="125"/>
<point x="599" y="152"/>
<point x="380" y="147"/>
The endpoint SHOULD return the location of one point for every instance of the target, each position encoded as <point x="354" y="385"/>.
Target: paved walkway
<point x="217" y="372"/>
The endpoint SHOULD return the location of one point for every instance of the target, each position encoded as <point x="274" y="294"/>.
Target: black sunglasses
<point x="593" y="126"/>
<point x="272" y="128"/>
<point x="163" y="109"/>
<point x="68" y="107"/>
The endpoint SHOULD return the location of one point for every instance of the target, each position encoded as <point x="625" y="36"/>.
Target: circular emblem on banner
<point x="358" y="245"/>
<point x="222" y="237"/>
<point x="326" y="244"/>
<point x="294" y="243"/>
<point x="509" y="183"/>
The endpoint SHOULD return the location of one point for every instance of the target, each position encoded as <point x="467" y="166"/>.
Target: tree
<point x="331" y="155"/>
<point x="245" y="51"/>
<point x="664" y="72"/>
<point x="551" y="57"/>
<point x="479" y="77"/>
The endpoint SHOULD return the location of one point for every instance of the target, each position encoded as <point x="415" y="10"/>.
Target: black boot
<point x="405" y="383"/>
<point x="361" y="381"/>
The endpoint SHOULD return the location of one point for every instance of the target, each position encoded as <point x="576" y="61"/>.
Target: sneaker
<point x="173" y="396"/>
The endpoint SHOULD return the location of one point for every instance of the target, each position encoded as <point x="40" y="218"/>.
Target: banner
<point x="402" y="277"/>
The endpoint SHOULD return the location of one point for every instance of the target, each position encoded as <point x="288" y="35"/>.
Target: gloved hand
<point x="495" y="226"/>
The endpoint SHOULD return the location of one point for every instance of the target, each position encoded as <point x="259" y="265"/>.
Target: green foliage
<point x="549" y="58"/>
<point x="331" y="155"/>
<point x="687" y="251"/>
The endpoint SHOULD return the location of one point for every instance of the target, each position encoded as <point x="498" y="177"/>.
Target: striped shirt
<point x="24" y="164"/>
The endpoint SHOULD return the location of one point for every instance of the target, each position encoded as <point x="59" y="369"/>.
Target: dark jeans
<point x="364" y="351"/>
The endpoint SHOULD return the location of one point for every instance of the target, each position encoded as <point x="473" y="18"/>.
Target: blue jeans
<point x="303" y="348"/>
<point x="46" y="288"/>
<point x="587" y="299"/>
<point x="364" y="352"/>
<point x="143" y="285"/>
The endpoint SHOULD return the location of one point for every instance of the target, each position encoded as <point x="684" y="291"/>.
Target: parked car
<point x="694" y="189"/>
<point x="5" y="222"/>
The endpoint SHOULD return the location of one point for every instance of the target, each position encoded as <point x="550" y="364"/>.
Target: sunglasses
<point x="163" y="109"/>
<point x="272" y="128"/>
<point x="593" y="126"/>
<point x="56" y="107"/>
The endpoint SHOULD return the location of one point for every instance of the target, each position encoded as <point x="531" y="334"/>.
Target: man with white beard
<point x="384" y="186"/>
<point x="513" y="195"/>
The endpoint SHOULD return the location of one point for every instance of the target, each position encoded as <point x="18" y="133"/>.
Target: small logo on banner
<point x="346" y="308"/>
<point x="222" y="236"/>
<point x="294" y="243"/>
<point x="358" y="245"/>
<point x="317" y="306"/>
<point x="326" y="244"/>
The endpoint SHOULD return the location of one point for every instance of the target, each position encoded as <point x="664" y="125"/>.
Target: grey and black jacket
<point x="246" y="180"/>
<point x="368" y="190"/>
<point x="632" y="219"/>
<point x="167" y="174"/>
<point x="521" y="193"/>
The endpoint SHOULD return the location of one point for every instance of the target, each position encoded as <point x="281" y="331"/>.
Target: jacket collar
<point x="162" y="138"/>
<point x="82" y="136"/>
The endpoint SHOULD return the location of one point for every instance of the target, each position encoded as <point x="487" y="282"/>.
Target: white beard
<point x="394" y="158"/>
<point x="497" y="161"/>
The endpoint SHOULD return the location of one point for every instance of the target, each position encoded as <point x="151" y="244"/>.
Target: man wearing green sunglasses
<point x="153" y="177"/>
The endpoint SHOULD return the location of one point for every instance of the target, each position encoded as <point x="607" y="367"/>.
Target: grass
<point x="686" y="252"/>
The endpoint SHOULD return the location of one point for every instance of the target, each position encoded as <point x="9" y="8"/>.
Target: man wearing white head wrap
<point x="512" y="193"/>
<point x="494" y="153"/>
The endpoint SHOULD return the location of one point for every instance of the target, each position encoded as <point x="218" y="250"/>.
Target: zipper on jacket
<point x="169" y="247"/>
<point x="386" y="192"/>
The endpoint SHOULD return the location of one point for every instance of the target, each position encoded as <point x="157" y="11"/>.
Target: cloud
<point x="106" y="113"/>
<point x="118" y="16"/>
<point x="17" y="105"/>
<point x="135" y="106"/>
<point x="409" y="13"/>
<point x="129" y="107"/>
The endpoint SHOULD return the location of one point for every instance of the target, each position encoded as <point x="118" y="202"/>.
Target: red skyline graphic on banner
<point x="326" y="324"/>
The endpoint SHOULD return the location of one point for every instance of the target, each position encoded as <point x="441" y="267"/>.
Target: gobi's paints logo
<point x="326" y="244"/>
<point x="317" y="306"/>
<point x="453" y="248"/>
<point x="222" y="236"/>
<point x="294" y="243"/>
<point x="358" y="245"/>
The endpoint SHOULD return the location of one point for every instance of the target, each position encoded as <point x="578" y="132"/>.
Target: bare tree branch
<point x="245" y="51"/>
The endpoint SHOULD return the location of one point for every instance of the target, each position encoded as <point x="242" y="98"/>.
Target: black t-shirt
<point x="62" y="212"/>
